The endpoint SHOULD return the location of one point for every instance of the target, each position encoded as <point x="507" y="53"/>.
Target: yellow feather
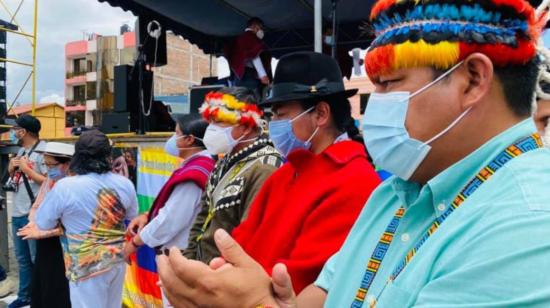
<point x="442" y="55"/>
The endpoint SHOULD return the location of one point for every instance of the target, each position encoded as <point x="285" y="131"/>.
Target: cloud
<point x="59" y="22"/>
<point x="53" y="98"/>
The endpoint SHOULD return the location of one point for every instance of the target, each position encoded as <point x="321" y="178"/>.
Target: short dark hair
<point x="192" y="124"/>
<point x="84" y="164"/>
<point x="61" y="159"/>
<point x="518" y="84"/>
<point x="255" y="21"/>
<point x="340" y="108"/>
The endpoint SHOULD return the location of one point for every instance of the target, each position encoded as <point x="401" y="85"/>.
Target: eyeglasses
<point x="51" y="165"/>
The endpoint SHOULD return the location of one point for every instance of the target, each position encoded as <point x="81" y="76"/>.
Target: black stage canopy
<point x="289" y="23"/>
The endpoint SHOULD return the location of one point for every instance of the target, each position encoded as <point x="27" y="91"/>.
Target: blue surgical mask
<point x="13" y="136"/>
<point x="283" y="137"/>
<point x="55" y="173"/>
<point x="386" y="137"/>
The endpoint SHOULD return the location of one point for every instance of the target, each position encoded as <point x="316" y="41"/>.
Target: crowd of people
<point x="290" y="212"/>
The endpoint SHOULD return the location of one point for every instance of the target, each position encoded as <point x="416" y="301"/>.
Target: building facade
<point x="359" y="100"/>
<point x="89" y="82"/>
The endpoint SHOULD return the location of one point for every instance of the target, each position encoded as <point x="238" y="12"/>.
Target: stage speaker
<point x="126" y="89"/>
<point x="145" y="27"/>
<point x="197" y="95"/>
<point x="115" y="123"/>
<point x="160" y="120"/>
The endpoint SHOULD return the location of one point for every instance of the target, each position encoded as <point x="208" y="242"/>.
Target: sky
<point x="59" y="22"/>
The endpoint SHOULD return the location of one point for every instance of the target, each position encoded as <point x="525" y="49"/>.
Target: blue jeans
<point x="2" y="273"/>
<point x="25" y="251"/>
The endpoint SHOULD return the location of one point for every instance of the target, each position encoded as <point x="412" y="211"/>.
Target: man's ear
<point x="189" y="140"/>
<point x="248" y="130"/>
<point x="478" y="73"/>
<point x="323" y="114"/>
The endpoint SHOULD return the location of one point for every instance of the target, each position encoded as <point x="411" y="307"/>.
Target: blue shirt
<point x="493" y="251"/>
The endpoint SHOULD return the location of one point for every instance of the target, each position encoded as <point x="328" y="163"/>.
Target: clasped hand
<point x="235" y="280"/>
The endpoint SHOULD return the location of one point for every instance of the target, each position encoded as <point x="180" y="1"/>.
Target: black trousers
<point x="49" y="286"/>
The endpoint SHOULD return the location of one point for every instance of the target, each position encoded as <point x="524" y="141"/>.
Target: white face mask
<point x="218" y="140"/>
<point x="260" y="34"/>
<point x="171" y="146"/>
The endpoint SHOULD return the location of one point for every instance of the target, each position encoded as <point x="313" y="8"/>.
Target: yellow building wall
<point x="52" y="119"/>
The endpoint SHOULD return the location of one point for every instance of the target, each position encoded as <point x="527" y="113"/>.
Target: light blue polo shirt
<point x="493" y="251"/>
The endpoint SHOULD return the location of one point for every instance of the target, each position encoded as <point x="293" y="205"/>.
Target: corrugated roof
<point x="28" y="108"/>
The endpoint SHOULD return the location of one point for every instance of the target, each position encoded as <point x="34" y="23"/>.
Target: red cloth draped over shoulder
<point x="197" y="170"/>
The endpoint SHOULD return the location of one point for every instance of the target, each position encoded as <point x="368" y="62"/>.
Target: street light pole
<point x="318" y="20"/>
<point x="34" y="57"/>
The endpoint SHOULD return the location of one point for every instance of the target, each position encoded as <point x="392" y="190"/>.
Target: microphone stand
<point x="140" y="64"/>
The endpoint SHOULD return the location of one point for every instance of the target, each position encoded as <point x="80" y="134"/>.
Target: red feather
<point x="522" y="7"/>
<point x="379" y="60"/>
<point x="501" y="54"/>
<point x="380" y="6"/>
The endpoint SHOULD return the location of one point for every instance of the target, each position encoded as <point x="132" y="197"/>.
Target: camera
<point x="10" y="186"/>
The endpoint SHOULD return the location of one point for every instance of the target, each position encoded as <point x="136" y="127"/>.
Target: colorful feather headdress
<point x="441" y="33"/>
<point x="228" y="109"/>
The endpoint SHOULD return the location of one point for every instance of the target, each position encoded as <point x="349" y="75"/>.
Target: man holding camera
<point x="27" y="172"/>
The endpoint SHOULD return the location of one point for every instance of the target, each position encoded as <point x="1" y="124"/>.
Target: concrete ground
<point x="13" y="273"/>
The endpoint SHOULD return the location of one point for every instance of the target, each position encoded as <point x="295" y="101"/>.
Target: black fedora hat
<point x="306" y="75"/>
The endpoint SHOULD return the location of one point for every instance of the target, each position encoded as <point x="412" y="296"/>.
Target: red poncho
<point x="304" y="211"/>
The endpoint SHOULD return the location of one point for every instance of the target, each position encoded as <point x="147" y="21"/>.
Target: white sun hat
<point x="57" y="149"/>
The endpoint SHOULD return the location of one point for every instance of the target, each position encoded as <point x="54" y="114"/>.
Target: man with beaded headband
<point x="235" y="131"/>
<point x="461" y="224"/>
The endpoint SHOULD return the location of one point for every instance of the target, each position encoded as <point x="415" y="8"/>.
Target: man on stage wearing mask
<point x="463" y="221"/>
<point x="248" y="58"/>
<point x="235" y="131"/>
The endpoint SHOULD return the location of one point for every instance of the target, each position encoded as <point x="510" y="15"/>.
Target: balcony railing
<point x="75" y="102"/>
<point x="70" y="75"/>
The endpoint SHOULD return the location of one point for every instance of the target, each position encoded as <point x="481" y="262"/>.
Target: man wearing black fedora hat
<point x="307" y="207"/>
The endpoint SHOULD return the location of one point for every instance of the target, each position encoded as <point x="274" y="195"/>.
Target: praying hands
<point x="235" y="280"/>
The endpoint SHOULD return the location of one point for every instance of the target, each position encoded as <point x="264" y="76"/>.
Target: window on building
<point x="91" y="62"/>
<point x="91" y="89"/>
<point x="79" y="94"/>
<point x="74" y="119"/>
<point x="79" y="66"/>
